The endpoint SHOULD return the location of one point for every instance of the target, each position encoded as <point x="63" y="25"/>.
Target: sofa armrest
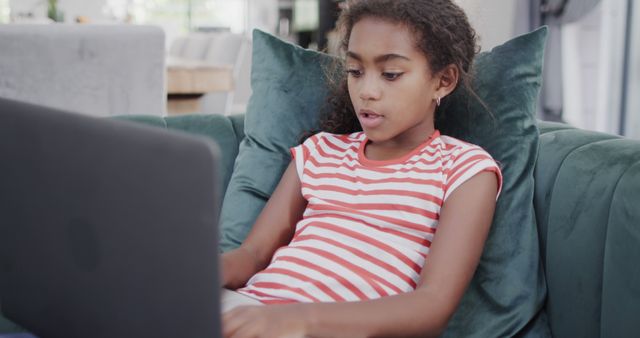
<point x="587" y="188"/>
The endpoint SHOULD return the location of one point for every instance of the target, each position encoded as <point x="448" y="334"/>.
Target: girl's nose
<point x="370" y="90"/>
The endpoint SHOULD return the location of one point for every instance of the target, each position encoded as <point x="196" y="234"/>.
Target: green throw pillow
<point x="508" y="290"/>
<point x="288" y="89"/>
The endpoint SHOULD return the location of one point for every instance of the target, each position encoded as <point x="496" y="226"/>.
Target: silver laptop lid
<point x="107" y="228"/>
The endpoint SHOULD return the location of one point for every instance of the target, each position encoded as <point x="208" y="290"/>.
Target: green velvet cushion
<point x="508" y="290"/>
<point x="288" y="88"/>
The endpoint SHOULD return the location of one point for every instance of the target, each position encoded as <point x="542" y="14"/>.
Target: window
<point x="631" y="117"/>
<point x="593" y="52"/>
<point x="4" y="11"/>
<point x="219" y="13"/>
<point x="181" y="16"/>
<point x="305" y="15"/>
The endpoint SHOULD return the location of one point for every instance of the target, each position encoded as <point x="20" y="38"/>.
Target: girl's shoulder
<point x="455" y="146"/>
<point x="456" y="142"/>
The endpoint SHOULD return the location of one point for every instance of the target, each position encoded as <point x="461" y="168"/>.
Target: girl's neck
<point x="396" y="148"/>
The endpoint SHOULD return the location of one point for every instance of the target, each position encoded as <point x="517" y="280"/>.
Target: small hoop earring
<point x="438" y="101"/>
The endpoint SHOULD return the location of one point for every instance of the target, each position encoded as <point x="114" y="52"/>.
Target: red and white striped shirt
<point x="368" y="225"/>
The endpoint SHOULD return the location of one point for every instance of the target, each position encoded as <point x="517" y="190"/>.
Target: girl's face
<point x="390" y="83"/>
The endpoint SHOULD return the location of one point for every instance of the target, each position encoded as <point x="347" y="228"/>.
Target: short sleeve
<point x="466" y="164"/>
<point x="301" y="153"/>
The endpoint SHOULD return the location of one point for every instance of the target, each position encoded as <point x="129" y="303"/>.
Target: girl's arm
<point x="273" y="228"/>
<point x="465" y="220"/>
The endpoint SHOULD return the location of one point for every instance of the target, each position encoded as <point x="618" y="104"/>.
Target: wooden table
<point x="188" y="80"/>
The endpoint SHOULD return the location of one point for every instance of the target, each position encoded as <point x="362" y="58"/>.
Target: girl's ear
<point x="448" y="79"/>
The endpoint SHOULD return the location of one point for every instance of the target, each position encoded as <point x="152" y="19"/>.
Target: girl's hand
<point x="281" y="321"/>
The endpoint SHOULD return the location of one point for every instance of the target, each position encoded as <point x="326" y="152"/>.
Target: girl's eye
<point x="354" y="72"/>
<point x="391" y="76"/>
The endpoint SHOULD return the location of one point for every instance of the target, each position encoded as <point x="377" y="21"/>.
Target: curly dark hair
<point x="441" y="30"/>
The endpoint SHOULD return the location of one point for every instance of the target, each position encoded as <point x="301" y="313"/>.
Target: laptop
<point x="107" y="228"/>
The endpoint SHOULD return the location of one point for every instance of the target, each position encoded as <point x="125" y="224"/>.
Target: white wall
<point x="22" y="7"/>
<point x="493" y="20"/>
<point x="89" y="8"/>
<point x="263" y="14"/>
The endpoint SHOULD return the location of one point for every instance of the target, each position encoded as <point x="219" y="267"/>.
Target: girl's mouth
<point x="369" y="118"/>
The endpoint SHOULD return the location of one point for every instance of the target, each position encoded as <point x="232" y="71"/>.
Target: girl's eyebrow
<point x="378" y="59"/>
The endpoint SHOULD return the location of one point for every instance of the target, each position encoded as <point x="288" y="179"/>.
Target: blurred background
<point x="592" y="65"/>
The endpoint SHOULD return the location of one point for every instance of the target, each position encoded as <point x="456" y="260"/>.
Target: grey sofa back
<point x="99" y="70"/>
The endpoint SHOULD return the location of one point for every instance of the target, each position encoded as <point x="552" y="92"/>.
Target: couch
<point x="587" y="189"/>
<point x="98" y="70"/>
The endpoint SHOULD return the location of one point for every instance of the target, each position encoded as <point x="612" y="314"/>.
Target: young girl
<point x="375" y="230"/>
